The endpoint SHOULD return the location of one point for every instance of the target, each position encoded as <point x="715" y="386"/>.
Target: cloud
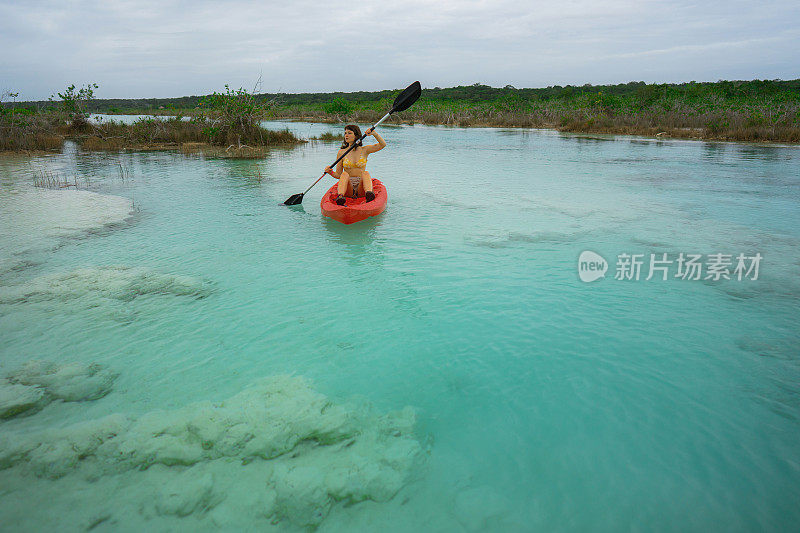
<point x="158" y="49"/>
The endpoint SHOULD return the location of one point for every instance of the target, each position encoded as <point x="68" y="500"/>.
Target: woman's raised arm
<point x="375" y="147"/>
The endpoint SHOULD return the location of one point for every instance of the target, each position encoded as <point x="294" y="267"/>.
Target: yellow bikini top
<point x="361" y="163"/>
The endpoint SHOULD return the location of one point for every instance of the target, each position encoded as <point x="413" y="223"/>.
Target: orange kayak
<point x="354" y="209"/>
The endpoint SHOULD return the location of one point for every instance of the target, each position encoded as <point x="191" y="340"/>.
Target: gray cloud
<point x="160" y="49"/>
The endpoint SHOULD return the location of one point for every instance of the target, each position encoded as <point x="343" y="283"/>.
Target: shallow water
<point x="542" y="402"/>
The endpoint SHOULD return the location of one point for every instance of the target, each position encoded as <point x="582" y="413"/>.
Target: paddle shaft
<point x="351" y="147"/>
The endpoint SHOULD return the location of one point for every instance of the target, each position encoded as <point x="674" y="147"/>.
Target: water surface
<point x="542" y="402"/>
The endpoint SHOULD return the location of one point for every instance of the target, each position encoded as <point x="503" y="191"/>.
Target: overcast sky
<point x="164" y="49"/>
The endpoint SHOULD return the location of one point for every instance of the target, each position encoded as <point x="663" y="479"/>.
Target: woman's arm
<point x="339" y="167"/>
<point x="375" y="147"/>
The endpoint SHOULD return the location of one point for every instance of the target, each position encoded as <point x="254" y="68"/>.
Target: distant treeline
<point x="757" y="110"/>
<point x="635" y="91"/>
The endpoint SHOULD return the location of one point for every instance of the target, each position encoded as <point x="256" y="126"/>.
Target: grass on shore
<point x="328" y="136"/>
<point x="228" y="119"/>
<point x="30" y="132"/>
<point x="150" y="133"/>
<point x="777" y="123"/>
<point x="40" y="132"/>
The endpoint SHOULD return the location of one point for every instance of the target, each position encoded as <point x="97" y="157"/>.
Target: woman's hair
<point x="355" y="129"/>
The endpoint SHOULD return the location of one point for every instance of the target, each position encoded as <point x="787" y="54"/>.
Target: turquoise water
<point x="543" y="403"/>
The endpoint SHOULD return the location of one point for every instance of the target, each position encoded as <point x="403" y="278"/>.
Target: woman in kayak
<point x="354" y="180"/>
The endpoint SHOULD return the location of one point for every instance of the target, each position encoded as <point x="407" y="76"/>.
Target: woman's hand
<point x="368" y="132"/>
<point x="329" y="171"/>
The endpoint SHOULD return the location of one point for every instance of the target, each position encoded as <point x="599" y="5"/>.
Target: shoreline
<point x="695" y="134"/>
<point x="689" y="134"/>
<point x="659" y="134"/>
<point x="744" y="111"/>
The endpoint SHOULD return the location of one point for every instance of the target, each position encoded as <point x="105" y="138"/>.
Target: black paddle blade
<point x="294" y="199"/>
<point x="407" y="98"/>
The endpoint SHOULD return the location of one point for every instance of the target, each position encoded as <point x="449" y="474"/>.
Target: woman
<point x="354" y="180"/>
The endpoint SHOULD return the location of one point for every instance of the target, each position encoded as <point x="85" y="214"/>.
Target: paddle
<point x="403" y="101"/>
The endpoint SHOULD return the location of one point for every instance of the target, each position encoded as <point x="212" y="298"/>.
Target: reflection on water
<point x="359" y="242"/>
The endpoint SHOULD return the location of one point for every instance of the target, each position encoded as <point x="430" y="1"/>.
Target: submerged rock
<point x="71" y="382"/>
<point x="301" y="497"/>
<point x="188" y="492"/>
<point x="16" y="399"/>
<point x="37" y="383"/>
<point x="309" y="452"/>
<point x="112" y="282"/>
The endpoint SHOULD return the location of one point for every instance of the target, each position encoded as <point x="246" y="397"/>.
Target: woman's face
<point x="349" y="136"/>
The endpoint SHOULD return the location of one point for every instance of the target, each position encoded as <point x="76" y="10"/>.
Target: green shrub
<point x="338" y="106"/>
<point x="74" y="104"/>
<point x="232" y="117"/>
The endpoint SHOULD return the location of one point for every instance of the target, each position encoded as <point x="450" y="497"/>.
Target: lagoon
<point x="525" y="399"/>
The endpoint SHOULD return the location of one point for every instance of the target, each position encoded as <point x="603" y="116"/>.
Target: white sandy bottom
<point x="37" y="220"/>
